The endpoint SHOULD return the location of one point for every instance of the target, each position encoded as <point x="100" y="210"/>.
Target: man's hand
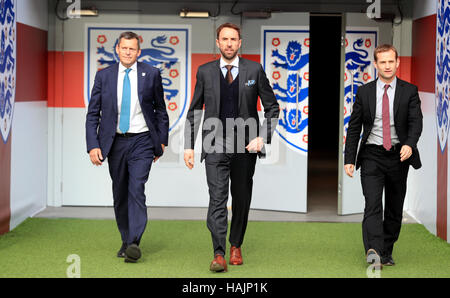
<point x="349" y="169"/>
<point x="96" y="156"/>
<point x="255" y="145"/>
<point x="189" y="158"/>
<point x="405" y="152"/>
<point x="157" y="157"/>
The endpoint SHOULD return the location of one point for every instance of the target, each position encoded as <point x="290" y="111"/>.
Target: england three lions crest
<point x="360" y="44"/>
<point x="442" y="91"/>
<point x="7" y="65"/>
<point x="162" y="46"/>
<point x="286" y="62"/>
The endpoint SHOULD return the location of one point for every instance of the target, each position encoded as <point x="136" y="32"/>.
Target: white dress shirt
<point x="376" y="135"/>
<point x="234" y="70"/>
<point x="137" y="120"/>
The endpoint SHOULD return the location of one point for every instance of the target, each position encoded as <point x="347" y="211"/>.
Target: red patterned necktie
<point x="386" y="120"/>
<point x="229" y="77"/>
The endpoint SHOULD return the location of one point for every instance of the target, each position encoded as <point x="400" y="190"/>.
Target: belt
<point x="129" y="134"/>
<point x="394" y="148"/>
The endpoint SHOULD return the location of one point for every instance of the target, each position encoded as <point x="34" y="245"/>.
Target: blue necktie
<point x="124" y="124"/>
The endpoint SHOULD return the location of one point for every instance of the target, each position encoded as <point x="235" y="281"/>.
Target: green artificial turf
<point x="39" y="247"/>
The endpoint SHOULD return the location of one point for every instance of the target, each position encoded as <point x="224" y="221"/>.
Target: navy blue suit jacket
<point x="102" y="115"/>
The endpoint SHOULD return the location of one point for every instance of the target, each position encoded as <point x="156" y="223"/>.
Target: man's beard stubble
<point x="229" y="57"/>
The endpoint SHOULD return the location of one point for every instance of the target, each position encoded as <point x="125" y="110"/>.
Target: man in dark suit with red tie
<point x="127" y="123"/>
<point x="232" y="137"/>
<point x="389" y="111"/>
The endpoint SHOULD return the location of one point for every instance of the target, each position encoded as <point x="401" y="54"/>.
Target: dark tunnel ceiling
<point x="173" y="7"/>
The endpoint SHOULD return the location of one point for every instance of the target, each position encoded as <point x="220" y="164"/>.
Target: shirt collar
<point x="392" y="84"/>
<point x="123" y="68"/>
<point x="235" y="62"/>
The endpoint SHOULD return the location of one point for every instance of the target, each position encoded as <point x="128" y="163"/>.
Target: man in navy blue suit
<point x="127" y="123"/>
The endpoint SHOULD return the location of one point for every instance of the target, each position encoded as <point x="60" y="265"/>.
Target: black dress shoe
<point x="121" y="252"/>
<point x="132" y="253"/>
<point x="387" y="260"/>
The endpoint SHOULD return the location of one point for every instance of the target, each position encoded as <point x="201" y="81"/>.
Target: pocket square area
<point x="250" y="83"/>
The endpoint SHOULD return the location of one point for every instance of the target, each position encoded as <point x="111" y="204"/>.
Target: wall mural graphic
<point x="162" y="46"/>
<point x="7" y="65"/>
<point x="286" y="62"/>
<point x="442" y="71"/>
<point x="360" y="45"/>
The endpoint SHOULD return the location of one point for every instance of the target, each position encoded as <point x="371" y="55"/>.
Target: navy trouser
<point x="130" y="160"/>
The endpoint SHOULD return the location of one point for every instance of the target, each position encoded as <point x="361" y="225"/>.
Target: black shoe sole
<point x="388" y="263"/>
<point x="128" y="260"/>
<point x="132" y="253"/>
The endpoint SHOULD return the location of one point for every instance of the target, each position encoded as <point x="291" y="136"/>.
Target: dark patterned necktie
<point x="386" y="120"/>
<point x="229" y="77"/>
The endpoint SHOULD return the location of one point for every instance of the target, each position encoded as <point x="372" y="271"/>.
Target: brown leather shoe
<point x="218" y="264"/>
<point x="235" y="256"/>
